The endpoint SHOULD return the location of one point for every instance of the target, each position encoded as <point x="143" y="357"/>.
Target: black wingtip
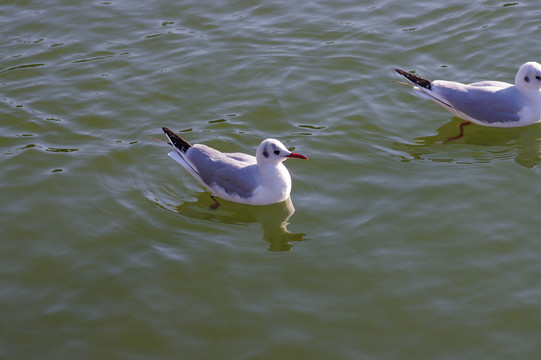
<point x="176" y="140"/>
<point x="415" y="79"/>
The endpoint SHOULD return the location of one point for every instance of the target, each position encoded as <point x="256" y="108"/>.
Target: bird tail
<point x="420" y="86"/>
<point x="179" y="155"/>
<point x="417" y="80"/>
<point x="179" y="143"/>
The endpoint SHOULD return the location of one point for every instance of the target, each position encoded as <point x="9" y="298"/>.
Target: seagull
<point x="487" y="103"/>
<point x="237" y="177"/>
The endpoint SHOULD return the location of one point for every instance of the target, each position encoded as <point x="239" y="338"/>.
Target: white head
<point x="272" y="151"/>
<point x="528" y="77"/>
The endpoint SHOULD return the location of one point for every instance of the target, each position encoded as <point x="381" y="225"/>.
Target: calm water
<point x="395" y="244"/>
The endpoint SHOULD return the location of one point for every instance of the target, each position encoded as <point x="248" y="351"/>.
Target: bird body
<point x="488" y="103"/>
<point x="257" y="180"/>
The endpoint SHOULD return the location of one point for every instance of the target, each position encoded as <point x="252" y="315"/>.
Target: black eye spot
<point x="527" y="79"/>
<point x="276" y="152"/>
<point x="538" y="77"/>
<point x="265" y="153"/>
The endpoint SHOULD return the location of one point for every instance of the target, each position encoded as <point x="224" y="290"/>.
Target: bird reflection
<point x="273" y="218"/>
<point x="523" y="145"/>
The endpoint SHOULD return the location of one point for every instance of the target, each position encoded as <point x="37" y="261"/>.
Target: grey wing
<point x="214" y="167"/>
<point x="488" y="106"/>
<point x="239" y="181"/>
<point x="496" y="84"/>
<point x="245" y="158"/>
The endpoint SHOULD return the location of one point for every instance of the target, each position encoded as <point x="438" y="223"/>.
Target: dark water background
<point x="396" y="245"/>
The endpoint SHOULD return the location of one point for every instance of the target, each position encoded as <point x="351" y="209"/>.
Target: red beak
<point x="298" y="156"/>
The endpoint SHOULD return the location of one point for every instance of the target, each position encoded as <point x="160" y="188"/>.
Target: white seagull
<point x="237" y="177"/>
<point x="487" y="103"/>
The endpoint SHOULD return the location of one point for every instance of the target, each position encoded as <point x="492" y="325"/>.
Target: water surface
<point x="395" y="245"/>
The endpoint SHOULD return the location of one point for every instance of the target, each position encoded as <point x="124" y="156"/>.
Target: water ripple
<point x="109" y="249"/>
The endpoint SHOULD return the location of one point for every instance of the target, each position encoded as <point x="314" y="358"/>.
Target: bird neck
<point x="274" y="174"/>
<point x="270" y="169"/>
<point x="531" y="94"/>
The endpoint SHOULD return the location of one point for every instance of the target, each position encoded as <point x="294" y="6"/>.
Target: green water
<point x="395" y="244"/>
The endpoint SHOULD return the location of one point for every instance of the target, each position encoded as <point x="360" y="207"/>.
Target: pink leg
<point x="215" y="205"/>
<point x="461" y="126"/>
